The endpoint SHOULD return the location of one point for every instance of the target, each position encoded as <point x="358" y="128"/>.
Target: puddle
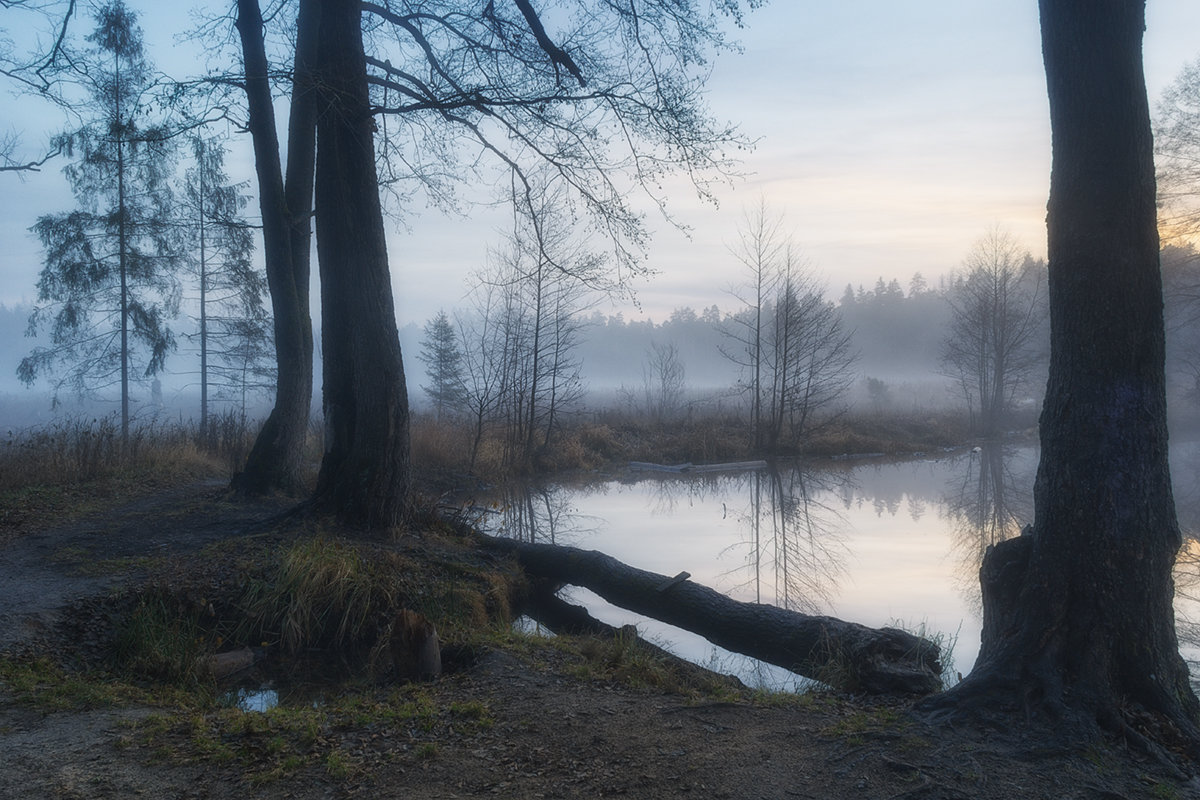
<point x="250" y="699"/>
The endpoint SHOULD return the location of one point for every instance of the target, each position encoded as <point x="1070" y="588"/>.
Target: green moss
<point x="39" y="683"/>
<point x="858" y="724"/>
<point x="1164" y="791"/>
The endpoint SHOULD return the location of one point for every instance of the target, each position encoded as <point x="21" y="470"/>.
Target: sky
<point x="890" y="136"/>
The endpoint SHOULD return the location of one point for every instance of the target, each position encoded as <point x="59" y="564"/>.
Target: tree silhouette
<point x="608" y="99"/>
<point x="442" y="356"/>
<point x="1078" y="628"/>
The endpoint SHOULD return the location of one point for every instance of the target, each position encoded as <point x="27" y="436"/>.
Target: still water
<point x="879" y="543"/>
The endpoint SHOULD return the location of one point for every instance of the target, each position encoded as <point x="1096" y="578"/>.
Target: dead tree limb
<point x="847" y="655"/>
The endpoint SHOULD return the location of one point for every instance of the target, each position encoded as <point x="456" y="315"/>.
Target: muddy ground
<point x="518" y="722"/>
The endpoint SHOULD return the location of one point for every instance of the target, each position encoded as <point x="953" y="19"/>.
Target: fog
<point x="898" y="336"/>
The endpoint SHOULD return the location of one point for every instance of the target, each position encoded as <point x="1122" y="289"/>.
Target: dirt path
<point x="506" y="726"/>
<point x="43" y="571"/>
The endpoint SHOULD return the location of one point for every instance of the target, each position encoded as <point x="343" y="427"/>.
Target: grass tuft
<point x="326" y="592"/>
<point x="161" y="641"/>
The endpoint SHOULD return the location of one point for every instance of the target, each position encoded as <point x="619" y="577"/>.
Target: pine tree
<point x="108" y="284"/>
<point x="441" y="354"/>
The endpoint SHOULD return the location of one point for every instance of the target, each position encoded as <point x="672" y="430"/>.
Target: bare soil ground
<point x="509" y="723"/>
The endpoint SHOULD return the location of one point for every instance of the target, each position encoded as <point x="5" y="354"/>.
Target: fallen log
<point x="731" y="466"/>
<point x="562" y="617"/>
<point x="645" y="466"/>
<point x="846" y="655"/>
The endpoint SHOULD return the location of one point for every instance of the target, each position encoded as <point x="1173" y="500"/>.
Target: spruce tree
<point x="441" y="354"/>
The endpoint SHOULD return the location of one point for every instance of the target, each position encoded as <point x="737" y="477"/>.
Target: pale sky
<point x="891" y="136"/>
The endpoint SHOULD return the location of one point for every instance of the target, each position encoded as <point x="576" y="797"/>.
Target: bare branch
<point x="557" y="54"/>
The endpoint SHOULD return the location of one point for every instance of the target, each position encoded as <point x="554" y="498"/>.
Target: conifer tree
<point x="441" y="354"/>
<point x="108" y="285"/>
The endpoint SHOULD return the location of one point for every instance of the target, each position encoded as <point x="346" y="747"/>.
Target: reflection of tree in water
<point x="1185" y="474"/>
<point x="671" y="490"/>
<point x="540" y="514"/>
<point x="792" y="536"/>
<point x="1187" y="600"/>
<point x="987" y="503"/>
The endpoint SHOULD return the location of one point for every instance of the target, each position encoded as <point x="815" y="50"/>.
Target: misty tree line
<point x="982" y="333"/>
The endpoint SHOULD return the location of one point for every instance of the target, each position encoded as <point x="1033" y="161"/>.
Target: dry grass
<point x="440" y="445"/>
<point x="890" y="434"/>
<point x="78" y="464"/>
<point x="606" y="439"/>
<point x="326" y="592"/>
<point x="83" y="449"/>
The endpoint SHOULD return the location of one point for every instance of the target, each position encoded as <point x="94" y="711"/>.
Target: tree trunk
<point x="364" y="475"/>
<point x="849" y="656"/>
<point x="1078" y="620"/>
<point x="275" y="461"/>
<point x="122" y="252"/>
<point x="203" y="315"/>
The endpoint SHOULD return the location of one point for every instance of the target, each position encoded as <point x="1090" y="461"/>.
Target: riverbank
<point x="515" y="715"/>
<point x="610" y="440"/>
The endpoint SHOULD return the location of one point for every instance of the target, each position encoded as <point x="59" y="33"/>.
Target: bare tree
<point x="663" y="374"/>
<point x="286" y="204"/>
<point x="233" y="326"/>
<point x="1177" y="151"/>
<point x="483" y="362"/>
<point x="759" y="248"/>
<point x="795" y="353"/>
<point x="38" y="72"/>
<point x="536" y="291"/>
<point x="810" y="356"/>
<point x="607" y="97"/>
<point x="993" y="346"/>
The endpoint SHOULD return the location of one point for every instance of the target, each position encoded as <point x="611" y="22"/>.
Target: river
<point x="880" y="542"/>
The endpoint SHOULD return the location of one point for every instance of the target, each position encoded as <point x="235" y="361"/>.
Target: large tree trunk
<point x="1078" y="620"/>
<point x="847" y="655"/>
<point x="364" y="475"/>
<point x="275" y="461"/>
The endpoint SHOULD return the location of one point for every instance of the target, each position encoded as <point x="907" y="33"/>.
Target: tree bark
<point x="847" y="655"/>
<point x="364" y="476"/>
<point x="275" y="461"/>
<point x="1078" y="620"/>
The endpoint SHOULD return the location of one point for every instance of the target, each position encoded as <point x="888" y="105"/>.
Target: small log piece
<point x="416" y="653"/>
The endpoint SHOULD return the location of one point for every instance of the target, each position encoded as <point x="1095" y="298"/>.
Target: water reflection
<point x="791" y="536"/>
<point x="545" y="514"/>
<point x="1185" y="475"/>
<point x="873" y="542"/>
<point x="989" y="501"/>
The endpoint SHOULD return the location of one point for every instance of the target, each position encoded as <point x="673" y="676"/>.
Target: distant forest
<point x="899" y="335"/>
